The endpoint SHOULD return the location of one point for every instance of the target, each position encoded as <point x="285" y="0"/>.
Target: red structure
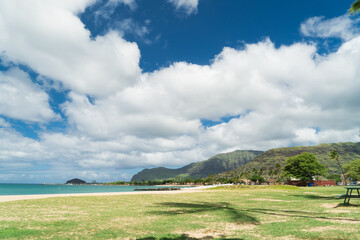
<point x="314" y="183"/>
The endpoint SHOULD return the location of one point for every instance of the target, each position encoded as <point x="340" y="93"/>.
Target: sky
<point x="101" y="89"/>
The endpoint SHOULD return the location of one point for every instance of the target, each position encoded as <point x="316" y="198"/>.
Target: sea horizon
<point x="40" y="188"/>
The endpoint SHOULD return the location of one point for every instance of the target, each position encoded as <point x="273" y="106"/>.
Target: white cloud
<point x="130" y="26"/>
<point x="278" y="92"/>
<point x="343" y="27"/>
<point x="310" y="135"/>
<point x="59" y="47"/>
<point x="108" y="9"/>
<point x="110" y="117"/>
<point x="281" y="94"/>
<point x="4" y="123"/>
<point x="188" y="6"/>
<point x="22" y="99"/>
<point x="130" y="3"/>
<point x="17" y="151"/>
<point x="286" y="95"/>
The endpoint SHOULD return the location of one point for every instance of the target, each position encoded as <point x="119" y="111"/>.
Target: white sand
<point x="8" y="198"/>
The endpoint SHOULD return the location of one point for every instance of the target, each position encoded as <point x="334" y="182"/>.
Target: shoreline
<point x="9" y="198"/>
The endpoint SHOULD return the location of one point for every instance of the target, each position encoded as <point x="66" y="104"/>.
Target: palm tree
<point x="246" y="174"/>
<point x="355" y="7"/>
<point x="277" y="171"/>
<point x="335" y="156"/>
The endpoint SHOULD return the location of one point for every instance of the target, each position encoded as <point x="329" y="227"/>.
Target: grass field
<point x="227" y="213"/>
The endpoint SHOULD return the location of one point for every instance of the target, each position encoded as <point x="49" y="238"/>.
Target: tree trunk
<point x="342" y="171"/>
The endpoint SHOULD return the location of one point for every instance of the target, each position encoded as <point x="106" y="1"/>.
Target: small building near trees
<point x="311" y="183"/>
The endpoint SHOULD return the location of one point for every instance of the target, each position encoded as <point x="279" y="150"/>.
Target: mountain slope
<point x="217" y="164"/>
<point x="348" y="152"/>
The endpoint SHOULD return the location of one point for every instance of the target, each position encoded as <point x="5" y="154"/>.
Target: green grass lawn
<point x="226" y="213"/>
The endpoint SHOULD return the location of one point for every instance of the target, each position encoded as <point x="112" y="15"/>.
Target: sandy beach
<point x="8" y="198"/>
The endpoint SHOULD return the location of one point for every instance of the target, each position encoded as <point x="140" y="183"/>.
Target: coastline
<point x="9" y="198"/>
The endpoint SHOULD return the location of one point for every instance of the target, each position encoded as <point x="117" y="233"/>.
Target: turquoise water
<point x="29" y="189"/>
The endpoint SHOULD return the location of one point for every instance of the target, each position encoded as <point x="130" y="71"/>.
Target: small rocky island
<point x="76" y="181"/>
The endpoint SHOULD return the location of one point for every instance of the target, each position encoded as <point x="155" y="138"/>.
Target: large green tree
<point x="353" y="170"/>
<point x="303" y="167"/>
<point x="355" y="7"/>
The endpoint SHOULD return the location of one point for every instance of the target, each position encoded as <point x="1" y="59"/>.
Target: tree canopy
<point x="303" y="167"/>
<point x="353" y="170"/>
<point x="355" y="7"/>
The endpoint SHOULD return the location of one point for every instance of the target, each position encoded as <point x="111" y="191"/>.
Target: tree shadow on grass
<point x="316" y="197"/>
<point x="184" y="237"/>
<point x="202" y="207"/>
<point x="300" y="214"/>
<point x="311" y="196"/>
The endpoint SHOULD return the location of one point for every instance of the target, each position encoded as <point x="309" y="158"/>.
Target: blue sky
<point x="197" y="38"/>
<point x="102" y="89"/>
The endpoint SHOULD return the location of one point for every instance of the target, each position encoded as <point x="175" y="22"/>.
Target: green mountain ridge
<point x="242" y="160"/>
<point x="216" y="164"/>
<point x="348" y="152"/>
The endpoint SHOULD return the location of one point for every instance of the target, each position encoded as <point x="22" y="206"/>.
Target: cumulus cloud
<point x="177" y="97"/>
<point x="59" y="47"/>
<point x="22" y="99"/>
<point x="106" y="119"/>
<point x="282" y="96"/>
<point x="18" y="152"/>
<point x="343" y="27"/>
<point x="188" y="6"/>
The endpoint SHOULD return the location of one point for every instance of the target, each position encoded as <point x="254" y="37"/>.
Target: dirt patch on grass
<point x="286" y="238"/>
<point x="341" y="221"/>
<point x="338" y="211"/>
<point x="319" y="229"/>
<point x="205" y="216"/>
<point x="268" y="199"/>
<point x="331" y="228"/>
<point x="35" y="227"/>
<point x="11" y="219"/>
<point x="60" y="212"/>
<point x="217" y="231"/>
<point x="232" y="227"/>
<point x="329" y="205"/>
<point x="275" y="219"/>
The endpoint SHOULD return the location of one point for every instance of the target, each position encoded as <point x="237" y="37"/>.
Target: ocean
<point x="30" y="189"/>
